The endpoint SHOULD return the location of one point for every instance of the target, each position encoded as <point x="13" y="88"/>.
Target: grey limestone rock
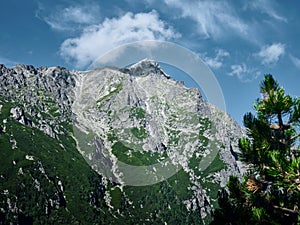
<point x="18" y="115"/>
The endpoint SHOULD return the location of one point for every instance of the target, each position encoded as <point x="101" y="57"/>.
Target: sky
<point x="240" y="41"/>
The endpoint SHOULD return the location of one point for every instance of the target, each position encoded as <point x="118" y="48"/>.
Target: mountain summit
<point x="145" y="67"/>
<point x="123" y="145"/>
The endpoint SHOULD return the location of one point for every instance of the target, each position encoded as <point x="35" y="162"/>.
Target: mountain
<point x="110" y="146"/>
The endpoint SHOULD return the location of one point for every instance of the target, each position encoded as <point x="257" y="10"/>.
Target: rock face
<point x="18" y="115"/>
<point x="38" y="91"/>
<point x="34" y="86"/>
<point x="145" y="134"/>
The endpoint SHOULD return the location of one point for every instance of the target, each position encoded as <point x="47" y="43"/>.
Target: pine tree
<point x="269" y="192"/>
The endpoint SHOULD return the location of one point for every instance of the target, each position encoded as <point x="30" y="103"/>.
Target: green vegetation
<point x="156" y="203"/>
<point x="137" y="112"/>
<point x="139" y="133"/>
<point x="111" y="136"/>
<point x="135" y="157"/>
<point x="116" y="196"/>
<point x="270" y="192"/>
<point x="216" y="165"/>
<point x="31" y="173"/>
<point x="206" y="124"/>
<point x="161" y="202"/>
<point x="210" y="186"/>
<point x="117" y="88"/>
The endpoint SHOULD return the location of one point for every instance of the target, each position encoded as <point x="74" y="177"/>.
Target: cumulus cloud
<point x="270" y="54"/>
<point x="96" y="40"/>
<point x="217" y="61"/>
<point x="69" y="18"/>
<point x="266" y="7"/>
<point x="214" y="18"/>
<point x="244" y="73"/>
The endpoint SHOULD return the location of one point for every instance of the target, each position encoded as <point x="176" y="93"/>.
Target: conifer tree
<point x="269" y="192"/>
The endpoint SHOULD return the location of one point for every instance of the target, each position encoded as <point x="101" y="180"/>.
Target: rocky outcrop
<point x="145" y="67"/>
<point x="18" y="115"/>
<point x="34" y="87"/>
<point x="45" y="94"/>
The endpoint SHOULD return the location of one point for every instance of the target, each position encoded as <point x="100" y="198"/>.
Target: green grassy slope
<point x="36" y="168"/>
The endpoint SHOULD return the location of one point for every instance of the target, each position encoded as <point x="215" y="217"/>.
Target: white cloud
<point x="96" y="40"/>
<point x="215" y="19"/>
<point x="70" y="18"/>
<point x="217" y="61"/>
<point x="270" y="54"/>
<point x="244" y="73"/>
<point x="266" y="7"/>
<point x="295" y="61"/>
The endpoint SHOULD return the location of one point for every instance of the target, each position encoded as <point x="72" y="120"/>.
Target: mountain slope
<point x="134" y="126"/>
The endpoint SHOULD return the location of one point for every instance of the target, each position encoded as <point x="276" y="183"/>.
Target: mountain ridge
<point x="134" y="117"/>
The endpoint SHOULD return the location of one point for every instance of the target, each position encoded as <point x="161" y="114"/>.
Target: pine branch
<point x="295" y="136"/>
<point x="290" y="211"/>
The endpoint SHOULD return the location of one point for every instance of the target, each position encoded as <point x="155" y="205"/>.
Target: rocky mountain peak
<point x="145" y="67"/>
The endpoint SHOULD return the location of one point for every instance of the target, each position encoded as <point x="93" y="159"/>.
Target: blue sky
<point x="239" y="40"/>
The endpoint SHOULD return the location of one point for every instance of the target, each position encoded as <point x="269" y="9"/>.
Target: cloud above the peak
<point x="70" y="18"/>
<point x="214" y="19"/>
<point x="270" y="54"/>
<point x="217" y="61"/>
<point x="244" y="73"/>
<point x="96" y="40"/>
